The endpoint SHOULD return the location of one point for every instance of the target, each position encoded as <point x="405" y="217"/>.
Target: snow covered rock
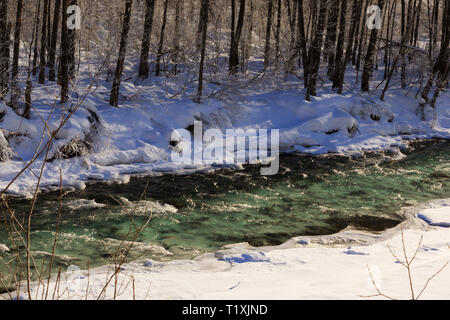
<point x="335" y="121"/>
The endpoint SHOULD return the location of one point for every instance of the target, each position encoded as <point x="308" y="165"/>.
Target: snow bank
<point x="340" y="266"/>
<point x="438" y="217"/>
<point x="135" y="139"/>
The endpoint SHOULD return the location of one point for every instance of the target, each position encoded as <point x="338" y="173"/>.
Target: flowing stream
<point x="203" y="212"/>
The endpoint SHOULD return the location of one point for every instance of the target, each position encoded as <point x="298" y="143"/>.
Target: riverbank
<point x="323" y="267"/>
<point x="101" y="143"/>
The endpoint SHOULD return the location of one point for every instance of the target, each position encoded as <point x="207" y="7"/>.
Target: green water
<point x="310" y="196"/>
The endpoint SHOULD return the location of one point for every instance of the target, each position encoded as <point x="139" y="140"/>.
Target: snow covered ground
<point x="135" y="139"/>
<point x="325" y="267"/>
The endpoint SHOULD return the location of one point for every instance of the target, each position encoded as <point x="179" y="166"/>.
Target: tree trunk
<point x="52" y="55"/>
<point x="268" y="33"/>
<point x="148" y="26"/>
<point x="387" y="49"/>
<point x="72" y="34"/>
<point x="292" y="15"/>
<point x="348" y="51"/>
<point x="15" y="67"/>
<point x="49" y="30"/>
<point x="435" y="22"/>
<point x="4" y="49"/>
<point x="331" y="37"/>
<point x="63" y="74"/>
<point x="278" y="31"/>
<point x="316" y="50"/>
<point x="114" y="99"/>
<point x="204" y="27"/>
<point x="362" y="39"/>
<point x="370" y="56"/>
<point x="357" y="30"/>
<point x="236" y="37"/>
<point x="161" y="40"/>
<point x="340" y="45"/>
<point x="36" y="36"/>
<point x="177" y="35"/>
<point x="441" y="66"/>
<point x="417" y="24"/>
<point x="42" y="55"/>
<point x="301" y="43"/>
<point x="403" y="68"/>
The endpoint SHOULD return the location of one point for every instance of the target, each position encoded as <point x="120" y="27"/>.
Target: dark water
<point x="203" y="212"/>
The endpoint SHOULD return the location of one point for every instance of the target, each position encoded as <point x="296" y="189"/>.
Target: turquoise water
<point x="203" y="212"/>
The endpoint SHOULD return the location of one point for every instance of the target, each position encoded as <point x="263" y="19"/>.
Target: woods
<point x="325" y="37"/>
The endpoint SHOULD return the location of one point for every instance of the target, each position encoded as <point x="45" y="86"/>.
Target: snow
<point x="439" y="217"/>
<point x="135" y="138"/>
<point x="326" y="267"/>
<point x="83" y="204"/>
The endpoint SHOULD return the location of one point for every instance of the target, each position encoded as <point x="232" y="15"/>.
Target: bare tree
<point x="204" y="22"/>
<point x="236" y="35"/>
<point x="54" y="40"/>
<point x="114" y="98"/>
<point x="370" y="55"/>
<point x="302" y="44"/>
<point x="348" y="52"/>
<point x="72" y="35"/>
<point x="36" y="36"/>
<point x="63" y="74"/>
<point x="161" y="40"/>
<point x="316" y="51"/>
<point x="440" y="69"/>
<point x="4" y="48"/>
<point x="268" y="33"/>
<point x="362" y="39"/>
<point x="44" y="36"/>
<point x="278" y="31"/>
<point x="177" y="34"/>
<point x="331" y="37"/>
<point x="148" y="26"/>
<point x="15" y="67"/>
<point x="340" y="45"/>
